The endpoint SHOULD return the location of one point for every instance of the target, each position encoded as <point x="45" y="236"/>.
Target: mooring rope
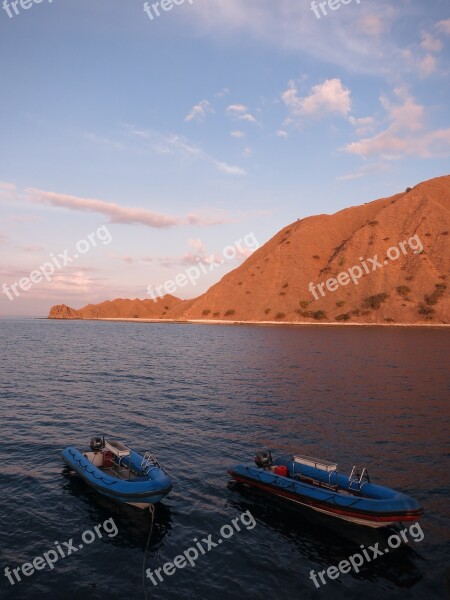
<point x="151" y="509"/>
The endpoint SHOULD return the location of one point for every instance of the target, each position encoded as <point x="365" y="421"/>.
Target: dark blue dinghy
<point x="120" y="473"/>
<point x="318" y="484"/>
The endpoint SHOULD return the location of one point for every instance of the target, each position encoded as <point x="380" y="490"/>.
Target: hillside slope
<point x="386" y="261"/>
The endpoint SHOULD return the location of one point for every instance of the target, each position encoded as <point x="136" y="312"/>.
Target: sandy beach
<point x="264" y="323"/>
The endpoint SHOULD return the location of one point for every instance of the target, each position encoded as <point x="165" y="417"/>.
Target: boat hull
<point x="357" y="509"/>
<point x="142" y="491"/>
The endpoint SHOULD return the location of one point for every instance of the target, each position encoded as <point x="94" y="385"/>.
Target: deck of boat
<point x="120" y="473"/>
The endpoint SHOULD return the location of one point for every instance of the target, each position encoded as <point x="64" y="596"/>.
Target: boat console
<point x="117" y="448"/>
<point x="317" y="463"/>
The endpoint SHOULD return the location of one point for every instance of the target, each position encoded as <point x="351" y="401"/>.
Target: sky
<point x="137" y="148"/>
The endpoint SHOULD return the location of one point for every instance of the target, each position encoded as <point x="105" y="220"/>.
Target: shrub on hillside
<point x="374" y="302"/>
<point x="403" y="290"/>
<point x="343" y="317"/>
<point x="434" y="298"/>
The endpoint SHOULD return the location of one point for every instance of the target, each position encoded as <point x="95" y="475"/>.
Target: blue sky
<point x="185" y="133"/>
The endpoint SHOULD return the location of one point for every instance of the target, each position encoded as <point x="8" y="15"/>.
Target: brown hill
<point x="118" y="309"/>
<point x="387" y="261"/>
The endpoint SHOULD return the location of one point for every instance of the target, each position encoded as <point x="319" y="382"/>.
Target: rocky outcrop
<point x="61" y="311"/>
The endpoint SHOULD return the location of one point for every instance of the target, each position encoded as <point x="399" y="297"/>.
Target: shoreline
<point x="258" y="323"/>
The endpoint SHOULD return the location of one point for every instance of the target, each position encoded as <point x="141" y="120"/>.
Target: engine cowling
<point x="97" y="444"/>
<point x="263" y="459"/>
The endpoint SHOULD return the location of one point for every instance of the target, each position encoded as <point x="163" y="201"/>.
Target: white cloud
<point x="247" y="117"/>
<point x="237" y="134"/>
<point x="199" y="111"/>
<point x="241" y="113"/>
<point x="329" y="97"/>
<point x="230" y="169"/>
<point x="237" y="108"/>
<point x="281" y="133"/>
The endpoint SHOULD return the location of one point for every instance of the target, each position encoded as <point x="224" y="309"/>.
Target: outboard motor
<point x="97" y="444"/>
<point x="263" y="459"/>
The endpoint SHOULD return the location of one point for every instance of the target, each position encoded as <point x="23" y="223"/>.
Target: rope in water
<point x="151" y="509"/>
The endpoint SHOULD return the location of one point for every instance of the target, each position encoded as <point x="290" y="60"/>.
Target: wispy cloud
<point x="362" y="125"/>
<point x="350" y="38"/>
<point x="8" y="191"/>
<point x="430" y="43"/>
<point x="443" y="26"/>
<point x="223" y="92"/>
<point x="117" y="213"/>
<point x="199" y="111"/>
<point x="364" y="171"/>
<point x="32" y="249"/>
<point x="181" y="146"/>
<point x="103" y="141"/>
<point x="198" y="252"/>
<point x="373" y="24"/>
<point x="5" y="185"/>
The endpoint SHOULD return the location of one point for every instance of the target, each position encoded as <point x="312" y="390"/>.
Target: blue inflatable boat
<point x="120" y="473"/>
<point x="318" y="484"/>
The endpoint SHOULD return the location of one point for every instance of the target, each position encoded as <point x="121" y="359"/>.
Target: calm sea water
<point x="203" y="398"/>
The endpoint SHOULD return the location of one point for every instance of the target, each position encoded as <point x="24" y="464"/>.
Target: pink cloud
<point x="117" y="213"/>
<point x="406" y="134"/>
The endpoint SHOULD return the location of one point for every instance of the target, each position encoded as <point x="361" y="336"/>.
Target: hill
<point x="386" y="261"/>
